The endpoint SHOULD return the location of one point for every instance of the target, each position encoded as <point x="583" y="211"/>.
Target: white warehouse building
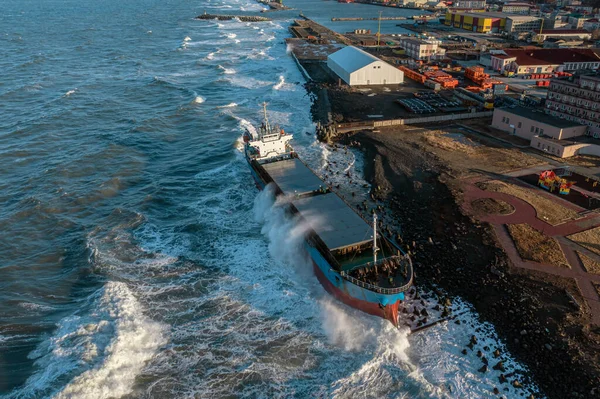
<point x="359" y="68"/>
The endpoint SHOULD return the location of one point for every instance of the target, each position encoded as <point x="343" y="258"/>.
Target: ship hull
<point x="382" y="305"/>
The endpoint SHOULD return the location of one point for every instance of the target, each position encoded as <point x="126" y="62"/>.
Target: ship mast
<point x="266" y="119"/>
<point x="375" y="249"/>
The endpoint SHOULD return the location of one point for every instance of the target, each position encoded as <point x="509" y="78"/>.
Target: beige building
<point x="419" y="49"/>
<point x="525" y="123"/>
<point x="565" y="148"/>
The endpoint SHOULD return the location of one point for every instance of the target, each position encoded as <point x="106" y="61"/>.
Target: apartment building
<point x="473" y="4"/>
<point x="516" y="8"/>
<point x="577" y="101"/>
<point x="419" y="49"/>
<point x="522" y="23"/>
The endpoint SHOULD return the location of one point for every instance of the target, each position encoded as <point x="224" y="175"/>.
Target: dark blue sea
<point x="137" y="258"/>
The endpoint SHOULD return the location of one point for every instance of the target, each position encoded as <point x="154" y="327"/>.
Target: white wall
<point x="376" y="73"/>
<point x="339" y="71"/>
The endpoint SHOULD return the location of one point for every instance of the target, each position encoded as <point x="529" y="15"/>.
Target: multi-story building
<point x="516" y="8"/>
<point x="522" y="23"/>
<point x="420" y="49"/>
<point x="577" y="101"/>
<point x="484" y="22"/>
<point x="473" y="4"/>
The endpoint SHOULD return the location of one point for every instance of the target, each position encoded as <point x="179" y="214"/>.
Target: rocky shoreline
<point x="452" y="251"/>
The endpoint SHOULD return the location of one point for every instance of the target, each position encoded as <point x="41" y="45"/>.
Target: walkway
<point x="526" y="213"/>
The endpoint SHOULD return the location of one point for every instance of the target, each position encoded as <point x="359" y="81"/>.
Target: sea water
<point x="138" y="258"/>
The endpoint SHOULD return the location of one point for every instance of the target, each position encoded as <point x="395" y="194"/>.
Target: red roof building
<point x="527" y="61"/>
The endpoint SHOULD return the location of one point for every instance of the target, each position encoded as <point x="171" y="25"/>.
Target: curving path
<point x="526" y="213"/>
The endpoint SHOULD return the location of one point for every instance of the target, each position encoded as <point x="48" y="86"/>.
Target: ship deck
<point x="334" y="221"/>
<point x="293" y="177"/>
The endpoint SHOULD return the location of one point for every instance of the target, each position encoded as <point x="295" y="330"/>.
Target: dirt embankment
<point x="417" y="184"/>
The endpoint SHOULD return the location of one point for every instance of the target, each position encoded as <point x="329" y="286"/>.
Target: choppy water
<point x="137" y="257"/>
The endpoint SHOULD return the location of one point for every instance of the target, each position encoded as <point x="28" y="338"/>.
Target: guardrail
<point x="381" y="290"/>
<point x="412" y="121"/>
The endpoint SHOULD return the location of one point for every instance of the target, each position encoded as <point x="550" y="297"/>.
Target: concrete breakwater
<point x="243" y="18"/>
<point x="369" y="19"/>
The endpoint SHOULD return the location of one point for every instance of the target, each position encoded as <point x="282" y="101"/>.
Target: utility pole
<point x="378" y="30"/>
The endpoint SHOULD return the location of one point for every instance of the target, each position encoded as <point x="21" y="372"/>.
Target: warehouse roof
<point x="540" y="117"/>
<point x="551" y="56"/>
<point x="352" y="59"/>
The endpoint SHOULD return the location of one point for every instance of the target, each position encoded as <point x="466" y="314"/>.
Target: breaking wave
<point x="100" y="353"/>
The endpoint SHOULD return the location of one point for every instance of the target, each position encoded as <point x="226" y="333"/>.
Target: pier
<point x="369" y="19"/>
<point x="243" y="18"/>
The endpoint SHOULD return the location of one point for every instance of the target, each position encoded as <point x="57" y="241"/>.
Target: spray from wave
<point x="101" y="353"/>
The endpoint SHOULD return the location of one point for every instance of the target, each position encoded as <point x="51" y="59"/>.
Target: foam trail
<point x="280" y="84"/>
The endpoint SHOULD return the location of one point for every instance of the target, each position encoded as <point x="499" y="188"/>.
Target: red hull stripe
<point x="389" y="312"/>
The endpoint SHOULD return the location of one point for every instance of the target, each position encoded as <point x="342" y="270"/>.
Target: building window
<point x="539" y="144"/>
<point x="504" y="119"/>
<point x="537" y="129"/>
<point x="507" y="121"/>
<point x="531" y="129"/>
<point x="519" y="125"/>
<point x="541" y="131"/>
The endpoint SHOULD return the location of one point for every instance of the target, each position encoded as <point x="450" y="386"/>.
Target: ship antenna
<point x="375" y="249"/>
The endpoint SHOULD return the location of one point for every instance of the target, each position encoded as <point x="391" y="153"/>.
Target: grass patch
<point x="534" y="246"/>
<point x="546" y="209"/>
<point x="589" y="239"/>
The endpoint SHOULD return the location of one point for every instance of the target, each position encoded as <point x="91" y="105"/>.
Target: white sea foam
<point x="101" y="352"/>
<point x="230" y="105"/>
<point x="279" y="84"/>
<point x="199" y="100"/>
<point x="187" y="39"/>
<point x="227" y="71"/>
<point x="231" y="35"/>
<point x="70" y="92"/>
<point x="210" y="56"/>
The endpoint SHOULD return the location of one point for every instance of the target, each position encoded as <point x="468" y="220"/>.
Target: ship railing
<point x="381" y="290"/>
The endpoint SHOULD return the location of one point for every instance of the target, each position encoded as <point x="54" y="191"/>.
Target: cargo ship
<point x="354" y="263"/>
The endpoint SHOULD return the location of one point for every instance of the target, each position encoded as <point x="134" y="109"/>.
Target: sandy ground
<point x="416" y="174"/>
<point x="535" y="246"/>
<point x="590" y="265"/>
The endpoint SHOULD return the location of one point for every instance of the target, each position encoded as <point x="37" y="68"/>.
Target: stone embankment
<point x="243" y="18"/>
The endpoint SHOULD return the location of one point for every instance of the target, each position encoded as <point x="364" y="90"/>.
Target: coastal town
<point x="481" y="131"/>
